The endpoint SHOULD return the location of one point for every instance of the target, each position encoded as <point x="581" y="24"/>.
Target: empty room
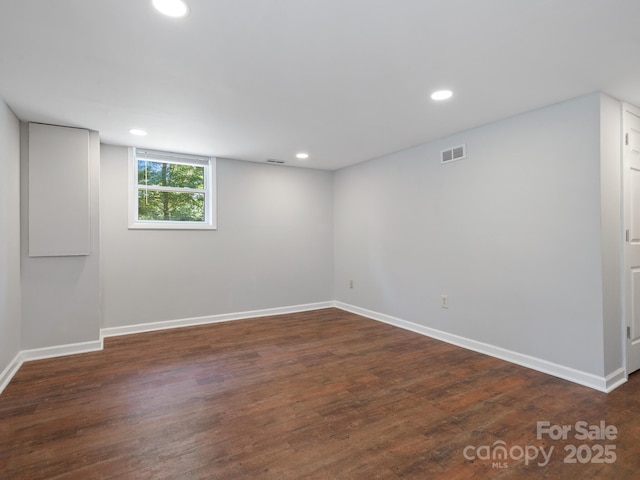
<point x="319" y="239"/>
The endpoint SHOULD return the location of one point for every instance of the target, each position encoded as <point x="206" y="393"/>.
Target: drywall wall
<point x="612" y="232"/>
<point x="60" y="295"/>
<point x="9" y="236"/>
<point x="272" y="248"/>
<point x="512" y="234"/>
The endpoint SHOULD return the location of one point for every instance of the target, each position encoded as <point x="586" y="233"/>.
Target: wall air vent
<point x="274" y="161"/>
<point x="452" y="154"/>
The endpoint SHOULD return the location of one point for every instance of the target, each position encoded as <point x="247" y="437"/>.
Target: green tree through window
<point x="172" y="188"/>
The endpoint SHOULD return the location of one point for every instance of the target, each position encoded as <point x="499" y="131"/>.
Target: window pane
<point x="171" y="206"/>
<point x="170" y="174"/>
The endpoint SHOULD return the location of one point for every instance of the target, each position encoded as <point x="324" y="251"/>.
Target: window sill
<point x="170" y="226"/>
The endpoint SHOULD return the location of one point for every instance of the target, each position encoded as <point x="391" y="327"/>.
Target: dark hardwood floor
<point x="316" y="395"/>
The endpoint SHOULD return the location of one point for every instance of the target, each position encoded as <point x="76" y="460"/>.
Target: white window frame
<point x="209" y="190"/>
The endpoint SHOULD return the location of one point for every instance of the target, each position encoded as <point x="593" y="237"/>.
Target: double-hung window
<point x="171" y="190"/>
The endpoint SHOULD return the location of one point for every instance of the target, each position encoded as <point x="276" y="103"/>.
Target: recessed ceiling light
<point x="302" y="156"/>
<point x="441" y="95"/>
<point x="138" y="132"/>
<point x="172" y="8"/>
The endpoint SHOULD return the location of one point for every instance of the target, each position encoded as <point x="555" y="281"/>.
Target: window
<point x="171" y="191"/>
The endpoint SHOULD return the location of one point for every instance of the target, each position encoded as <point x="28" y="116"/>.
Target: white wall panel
<point x="59" y="206"/>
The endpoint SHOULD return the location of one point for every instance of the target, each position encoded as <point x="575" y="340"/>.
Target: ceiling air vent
<point x="452" y="154"/>
<point x="274" y="161"/>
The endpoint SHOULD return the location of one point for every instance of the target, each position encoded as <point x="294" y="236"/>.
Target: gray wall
<point x="612" y="232"/>
<point x="512" y="235"/>
<point x="60" y="295"/>
<point x="273" y="247"/>
<point x="9" y="236"/>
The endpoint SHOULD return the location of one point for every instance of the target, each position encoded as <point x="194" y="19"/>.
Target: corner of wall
<point x="60" y="295"/>
<point x="9" y="239"/>
<point x="611" y="233"/>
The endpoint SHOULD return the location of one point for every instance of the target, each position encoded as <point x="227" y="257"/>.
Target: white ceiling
<point x="345" y="80"/>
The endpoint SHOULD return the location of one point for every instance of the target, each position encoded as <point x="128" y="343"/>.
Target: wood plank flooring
<point x="316" y="395"/>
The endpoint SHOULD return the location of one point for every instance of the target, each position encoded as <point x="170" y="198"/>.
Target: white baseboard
<point x="225" y="317"/>
<point x="615" y="379"/>
<point x="603" y="384"/>
<point x="92" y="346"/>
<point x="8" y="373"/>
<point x="61" y="350"/>
<point x="46" y="352"/>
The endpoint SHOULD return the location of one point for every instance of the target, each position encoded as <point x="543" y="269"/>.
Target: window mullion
<point x="160" y="188"/>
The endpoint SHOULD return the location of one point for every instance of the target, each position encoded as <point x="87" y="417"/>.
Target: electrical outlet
<point x="350" y="283"/>
<point x="444" y="301"/>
